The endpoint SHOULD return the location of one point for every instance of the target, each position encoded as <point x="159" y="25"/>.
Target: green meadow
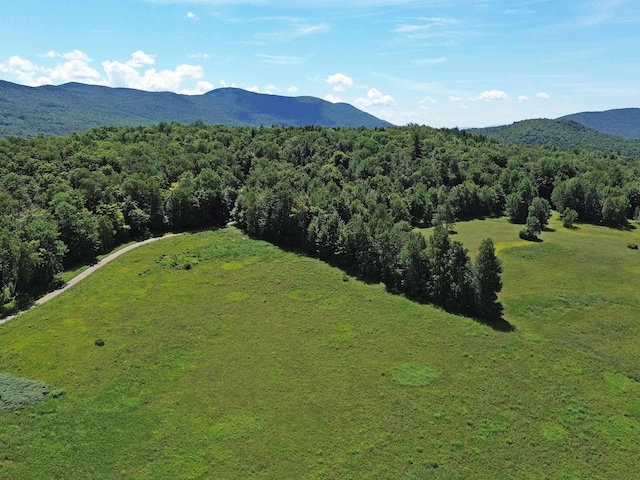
<point x="212" y="355"/>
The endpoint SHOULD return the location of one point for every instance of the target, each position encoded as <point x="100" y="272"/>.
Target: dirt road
<point x="85" y="274"/>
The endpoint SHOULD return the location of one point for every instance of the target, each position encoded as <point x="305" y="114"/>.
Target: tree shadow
<point x="497" y="324"/>
<point x="548" y="229"/>
<point x="535" y="239"/>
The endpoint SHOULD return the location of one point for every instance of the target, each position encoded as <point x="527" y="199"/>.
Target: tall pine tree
<point x="488" y="271"/>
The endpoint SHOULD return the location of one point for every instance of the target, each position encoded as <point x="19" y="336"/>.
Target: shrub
<point x="569" y="217"/>
<point x="17" y="393"/>
<point x="527" y="234"/>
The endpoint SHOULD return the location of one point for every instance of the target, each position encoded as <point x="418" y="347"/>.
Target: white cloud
<point x="280" y="59"/>
<point x="522" y="99"/>
<point x="76" y="55"/>
<point x="139" y="59"/>
<point x="430" y="100"/>
<point x="270" y="89"/>
<point x="374" y="97"/>
<point x="424" y="28"/>
<point x="199" y="55"/>
<point x="332" y="98"/>
<point x="201" y="87"/>
<point x="76" y="69"/>
<point x="295" y="29"/>
<point x="75" y="66"/>
<point x="340" y="82"/>
<point x="491" y="95"/>
<point x="454" y="99"/>
<point x="125" y="75"/>
<point x="192" y="16"/>
<point x="292" y="89"/>
<point x="543" y="96"/>
<point x="254" y="89"/>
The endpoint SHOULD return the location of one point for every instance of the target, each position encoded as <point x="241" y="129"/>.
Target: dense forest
<point x="563" y="133"/>
<point x="349" y="196"/>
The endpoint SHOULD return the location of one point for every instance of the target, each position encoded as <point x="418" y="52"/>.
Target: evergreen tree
<point x="488" y="282"/>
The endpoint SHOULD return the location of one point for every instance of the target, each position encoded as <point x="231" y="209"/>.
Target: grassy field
<point x="225" y="357"/>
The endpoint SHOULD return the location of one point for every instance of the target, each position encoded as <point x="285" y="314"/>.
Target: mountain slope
<point x="624" y="122"/>
<point x="59" y="110"/>
<point x="561" y="134"/>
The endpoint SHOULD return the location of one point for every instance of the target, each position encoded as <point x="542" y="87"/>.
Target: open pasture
<point x="226" y="357"/>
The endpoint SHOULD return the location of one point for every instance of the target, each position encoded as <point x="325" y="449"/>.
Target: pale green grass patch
<point x="237" y="296"/>
<point x="414" y="374"/>
<point x="553" y="432"/>
<point x="17" y="393"/>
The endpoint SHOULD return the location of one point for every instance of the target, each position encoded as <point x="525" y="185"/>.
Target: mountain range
<point x="613" y="131"/>
<point x="60" y="110"/>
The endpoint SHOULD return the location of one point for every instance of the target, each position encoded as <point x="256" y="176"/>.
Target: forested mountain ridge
<point x="350" y="196"/>
<point x="623" y="122"/>
<point x="60" y="110"/>
<point x="560" y="133"/>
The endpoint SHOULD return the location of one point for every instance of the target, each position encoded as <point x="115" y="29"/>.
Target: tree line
<point x="350" y="196"/>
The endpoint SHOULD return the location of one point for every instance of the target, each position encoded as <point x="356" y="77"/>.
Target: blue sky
<point x="435" y="62"/>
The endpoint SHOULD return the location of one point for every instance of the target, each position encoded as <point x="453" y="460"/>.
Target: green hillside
<point x="258" y="363"/>
<point x="560" y="133"/>
<point x="623" y="122"/>
<point x="60" y="110"/>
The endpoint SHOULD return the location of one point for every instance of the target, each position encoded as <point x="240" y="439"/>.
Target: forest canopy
<point x="349" y="196"/>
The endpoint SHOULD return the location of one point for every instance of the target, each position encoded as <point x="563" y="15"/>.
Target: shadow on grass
<point x="497" y="324"/>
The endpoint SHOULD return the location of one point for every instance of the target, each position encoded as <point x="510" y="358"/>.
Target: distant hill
<point x="59" y="110"/>
<point x="624" y="122"/>
<point x="560" y="133"/>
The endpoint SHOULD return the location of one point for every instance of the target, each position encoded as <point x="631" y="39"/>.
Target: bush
<point x="527" y="234"/>
<point x="17" y="393"/>
<point x="569" y="217"/>
<point x="632" y="246"/>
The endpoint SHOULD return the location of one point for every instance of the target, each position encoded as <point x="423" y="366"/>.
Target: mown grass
<point x="258" y="363"/>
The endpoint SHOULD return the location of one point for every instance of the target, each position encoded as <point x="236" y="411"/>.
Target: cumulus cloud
<point x="374" y="97"/>
<point x="270" y="89"/>
<point x="192" y="16"/>
<point x="340" y="82"/>
<point x="332" y="98"/>
<point x="292" y="89"/>
<point x="75" y="66"/>
<point x="543" y="96"/>
<point x="24" y="71"/>
<point x="127" y="74"/>
<point x="522" y="98"/>
<point x="491" y="95"/>
<point x="201" y="87"/>
<point x="454" y="99"/>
